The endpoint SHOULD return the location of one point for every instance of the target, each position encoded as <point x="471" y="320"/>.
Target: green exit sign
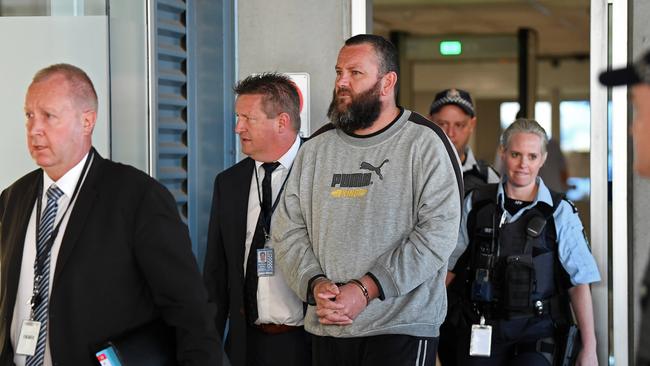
<point x="451" y="48"/>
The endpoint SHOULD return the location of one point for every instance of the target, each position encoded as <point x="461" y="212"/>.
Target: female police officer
<point x="525" y="258"/>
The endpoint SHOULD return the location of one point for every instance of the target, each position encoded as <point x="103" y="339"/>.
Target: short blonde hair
<point x="524" y="125"/>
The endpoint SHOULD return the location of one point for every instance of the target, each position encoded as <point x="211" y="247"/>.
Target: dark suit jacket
<point x="125" y="260"/>
<point x="224" y="272"/>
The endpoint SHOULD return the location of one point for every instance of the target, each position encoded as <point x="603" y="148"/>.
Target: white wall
<point x="81" y="41"/>
<point x="129" y="88"/>
<point x="294" y="36"/>
<point x="52" y="7"/>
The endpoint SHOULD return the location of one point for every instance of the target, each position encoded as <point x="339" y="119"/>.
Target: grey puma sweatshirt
<point x="388" y="204"/>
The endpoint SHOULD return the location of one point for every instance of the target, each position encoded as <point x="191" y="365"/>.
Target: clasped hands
<point x="338" y="305"/>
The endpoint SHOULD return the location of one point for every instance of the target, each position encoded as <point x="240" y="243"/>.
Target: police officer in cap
<point x="637" y="75"/>
<point x="528" y="264"/>
<point x="453" y="111"/>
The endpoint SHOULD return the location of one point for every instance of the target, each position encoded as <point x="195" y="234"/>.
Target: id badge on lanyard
<point x="265" y="262"/>
<point x="481" y="339"/>
<point x="28" y="338"/>
<point x="265" y="259"/>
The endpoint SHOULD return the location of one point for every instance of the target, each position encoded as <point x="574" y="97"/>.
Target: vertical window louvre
<point x="172" y="109"/>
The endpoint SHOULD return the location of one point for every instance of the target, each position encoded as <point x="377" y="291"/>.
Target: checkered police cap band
<point x="457" y="97"/>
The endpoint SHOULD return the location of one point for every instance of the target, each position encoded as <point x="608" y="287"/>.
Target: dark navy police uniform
<point x="476" y="173"/>
<point x="518" y="261"/>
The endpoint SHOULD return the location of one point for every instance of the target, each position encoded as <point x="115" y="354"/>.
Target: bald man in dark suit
<point x="90" y="249"/>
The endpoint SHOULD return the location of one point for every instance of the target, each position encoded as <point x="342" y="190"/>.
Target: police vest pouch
<point x="482" y="290"/>
<point x="519" y="276"/>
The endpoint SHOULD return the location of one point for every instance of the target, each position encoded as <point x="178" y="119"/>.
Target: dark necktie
<point x="259" y="239"/>
<point x="45" y="228"/>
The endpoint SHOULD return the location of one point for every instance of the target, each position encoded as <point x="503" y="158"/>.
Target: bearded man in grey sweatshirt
<point x="368" y="219"/>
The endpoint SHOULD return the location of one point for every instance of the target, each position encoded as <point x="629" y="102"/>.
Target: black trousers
<point x="389" y="350"/>
<point x="286" y="349"/>
<point x="513" y="343"/>
<point x="448" y="344"/>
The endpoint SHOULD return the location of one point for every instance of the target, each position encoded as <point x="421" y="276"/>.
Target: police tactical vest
<point x="476" y="177"/>
<point x="514" y="269"/>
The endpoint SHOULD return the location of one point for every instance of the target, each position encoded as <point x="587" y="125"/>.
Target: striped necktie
<point x="45" y="228"/>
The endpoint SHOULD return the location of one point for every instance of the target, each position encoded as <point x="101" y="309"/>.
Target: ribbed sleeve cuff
<point x="382" y="297"/>
<point x="310" y="292"/>
<point x="387" y="287"/>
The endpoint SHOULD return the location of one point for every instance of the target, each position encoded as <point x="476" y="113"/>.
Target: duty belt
<point x="493" y="311"/>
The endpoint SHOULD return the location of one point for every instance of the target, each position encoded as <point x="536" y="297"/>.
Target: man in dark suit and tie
<point x="90" y="249"/>
<point x="266" y="317"/>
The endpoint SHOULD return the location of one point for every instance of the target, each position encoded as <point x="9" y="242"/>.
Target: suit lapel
<point x="242" y="184"/>
<point x="79" y="214"/>
<point x="12" y="258"/>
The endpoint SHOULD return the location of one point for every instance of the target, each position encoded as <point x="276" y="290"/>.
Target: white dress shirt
<point x="22" y="308"/>
<point x="276" y="302"/>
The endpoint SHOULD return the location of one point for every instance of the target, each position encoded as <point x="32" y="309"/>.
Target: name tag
<point x="481" y="340"/>
<point x="265" y="265"/>
<point x="28" y="337"/>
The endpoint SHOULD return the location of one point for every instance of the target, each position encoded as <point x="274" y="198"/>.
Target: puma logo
<point x="368" y="166"/>
<point x="354" y="185"/>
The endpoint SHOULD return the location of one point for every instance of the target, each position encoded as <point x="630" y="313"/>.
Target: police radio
<point x="482" y="288"/>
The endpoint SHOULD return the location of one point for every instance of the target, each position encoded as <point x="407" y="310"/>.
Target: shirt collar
<point x="68" y="181"/>
<point x="470" y="160"/>
<point x="286" y="160"/>
<point x="543" y="194"/>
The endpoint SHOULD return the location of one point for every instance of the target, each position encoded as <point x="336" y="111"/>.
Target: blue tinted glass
<point x="575" y="126"/>
<point x="578" y="188"/>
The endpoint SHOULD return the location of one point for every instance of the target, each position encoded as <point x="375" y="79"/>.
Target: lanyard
<point x="496" y="230"/>
<point x="265" y="218"/>
<point x="39" y="262"/>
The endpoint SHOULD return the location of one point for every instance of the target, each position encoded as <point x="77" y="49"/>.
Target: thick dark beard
<point x="362" y="112"/>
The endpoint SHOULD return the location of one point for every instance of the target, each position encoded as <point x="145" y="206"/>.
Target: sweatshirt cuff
<point x="384" y="280"/>
<point x="382" y="296"/>
<point x="310" y="290"/>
